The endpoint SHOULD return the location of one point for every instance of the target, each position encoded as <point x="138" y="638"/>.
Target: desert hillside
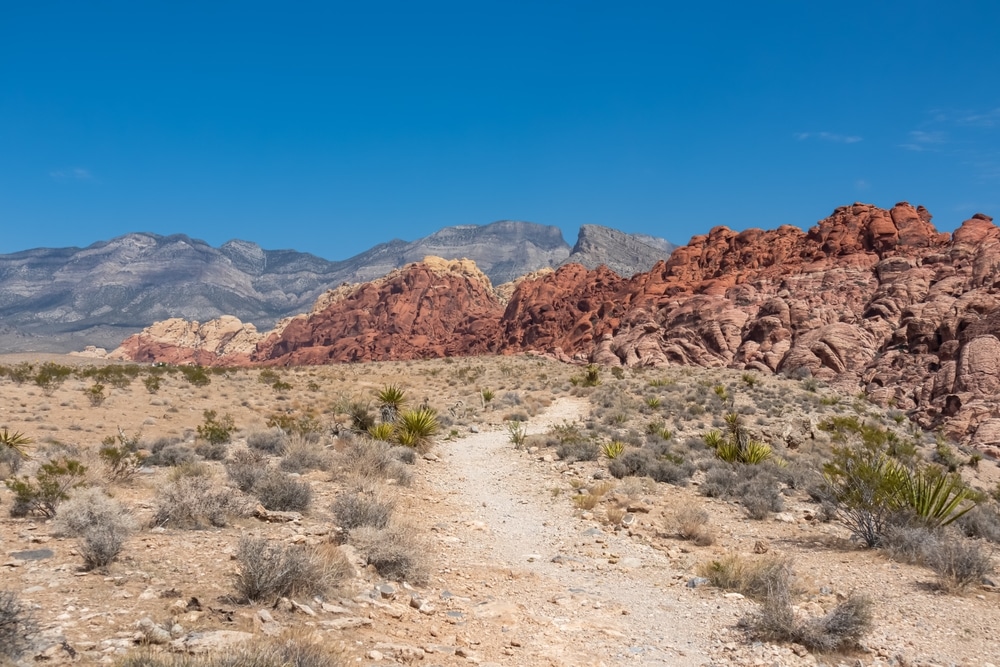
<point x="558" y="515"/>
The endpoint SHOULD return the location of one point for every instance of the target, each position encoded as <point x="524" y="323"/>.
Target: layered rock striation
<point x="868" y="298"/>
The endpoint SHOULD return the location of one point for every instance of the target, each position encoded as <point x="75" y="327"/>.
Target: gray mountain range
<point x="61" y="299"/>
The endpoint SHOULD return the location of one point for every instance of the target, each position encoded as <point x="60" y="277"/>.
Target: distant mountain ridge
<point x="60" y="299"/>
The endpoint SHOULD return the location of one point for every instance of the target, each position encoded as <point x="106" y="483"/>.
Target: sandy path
<point x="587" y="610"/>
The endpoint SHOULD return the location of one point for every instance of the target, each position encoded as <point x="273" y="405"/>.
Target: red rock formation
<point x="432" y="308"/>
<point x="869" y="298"/>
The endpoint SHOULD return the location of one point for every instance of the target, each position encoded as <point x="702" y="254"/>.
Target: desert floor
<point x="521" y="571"/>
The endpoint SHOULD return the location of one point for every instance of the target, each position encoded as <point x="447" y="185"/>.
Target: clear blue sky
<point x="331" y="126"/>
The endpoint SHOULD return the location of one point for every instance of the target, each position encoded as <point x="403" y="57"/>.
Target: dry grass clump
<point x="276" y="490"/>
<point x="756" y="487"/>
<point x="370" y="506"/>
<point x="198" y="502"/>
<point x="102" y="524"/>
<point x="396" y="551"/>
<point x="645" y="462"/>
<point x="302" y="454"/>
<point x="269" y="570"/>
<point x="842" y="628"/>
<point x="291" y="651"/>
<point x="755" y="578"/>
<point x="958" y="562"/>
<point x="16" y="626"/>
<point x="273" y="441"/>
<point x="692" y="525"/>
<point x="365" y="461"/>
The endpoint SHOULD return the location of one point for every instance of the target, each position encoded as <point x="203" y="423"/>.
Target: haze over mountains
<point x="61" y="299"/>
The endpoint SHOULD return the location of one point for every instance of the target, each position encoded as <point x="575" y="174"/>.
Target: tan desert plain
<point x="486" y="510"/>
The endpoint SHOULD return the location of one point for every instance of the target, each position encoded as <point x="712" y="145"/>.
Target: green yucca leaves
<point x="416" y="428"/>
<point x="613" y="449"/>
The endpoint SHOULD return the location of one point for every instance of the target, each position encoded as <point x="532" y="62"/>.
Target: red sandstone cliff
<point x="868" y="298"/>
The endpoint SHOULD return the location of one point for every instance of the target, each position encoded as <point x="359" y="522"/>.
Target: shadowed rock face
<point x="868" y="298"/>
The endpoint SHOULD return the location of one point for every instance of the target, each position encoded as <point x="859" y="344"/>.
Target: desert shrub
<point x="721" y="481"/>
<point x="100" y="544"/>
<point x="211" y="451"/>
<point x="281" y="492"/>
<point x="168" y="452"/>
<point x="842" y="628"/>
<point x="269" y="569"/>
<point x="88" y="507"/>
<point x="95" y="394"/>
<point x="395" y="551"/>
<point x="245" y="468"/>
<point x="193" y="502"/>
<point x="304" y="454"/>
<point x="290" y="652"/>
<point x="51" y="375"/>
<point x="633" y="463"/>
<point x="102" y="524"/>
<point x="760" y="496"/>
<point x="302" y="425"/>
<point x="871" y="488"/>
<point x="692" y="524"/>
<point x="406" y="455"/>
<point x="585" y="450"/>
<point x="364" y="459"/>
<point x="16" y="626"/>
<point x="757" y="578"/>
<point x="152" y="383"/>
<point x="120" y="456"/>
<point x="216" y="430"/>
<point x="272" y="441"/>
<point x="52" y="484"/>
<point x="365" y="507"/>
<point x="982" y="521"/>
<point x="361" y="417"/>
<point x="195" y="375"/>
<point x="644" y="462"/>
<point x="959" y="563"/>
<point x="909" y="543"/>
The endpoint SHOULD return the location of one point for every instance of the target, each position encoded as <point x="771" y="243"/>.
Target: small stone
<point x="386" y="591"/>
<point x="375" y="655"/>
<point x="695" y="582"/>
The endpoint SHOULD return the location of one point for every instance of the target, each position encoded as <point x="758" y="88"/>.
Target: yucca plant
<point x="383" y="431"/>
<point x="390" y="399"/>
<point x="756" y="452"/>
<point x="653" y="402"/>
<point x="416" y="428"/>
<point x="613" y="449"/>
<point x="14" y="442"/>
<point x="592" y="376"/>
<point x="516" y="433"/>
<point x="935" y="497"/>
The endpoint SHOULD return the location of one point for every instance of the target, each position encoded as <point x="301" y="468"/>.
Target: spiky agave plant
<point x="417" y="428"/>
<point x="14" y="441"/>
<point x="390" y="399"/>
<point x="382" y="431"/>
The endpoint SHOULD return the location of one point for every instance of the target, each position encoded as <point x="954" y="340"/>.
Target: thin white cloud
<point x="862" y="185"/>
<point x="72" y="174"/>
<point x="829" y="136"/>
<point x="920" y="140"/>
<point x="989" y="118"/>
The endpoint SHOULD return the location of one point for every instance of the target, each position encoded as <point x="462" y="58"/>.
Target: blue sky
<point x="329" y="127"/>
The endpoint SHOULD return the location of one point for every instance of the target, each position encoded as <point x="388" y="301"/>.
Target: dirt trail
<point x="593" y="596"/>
